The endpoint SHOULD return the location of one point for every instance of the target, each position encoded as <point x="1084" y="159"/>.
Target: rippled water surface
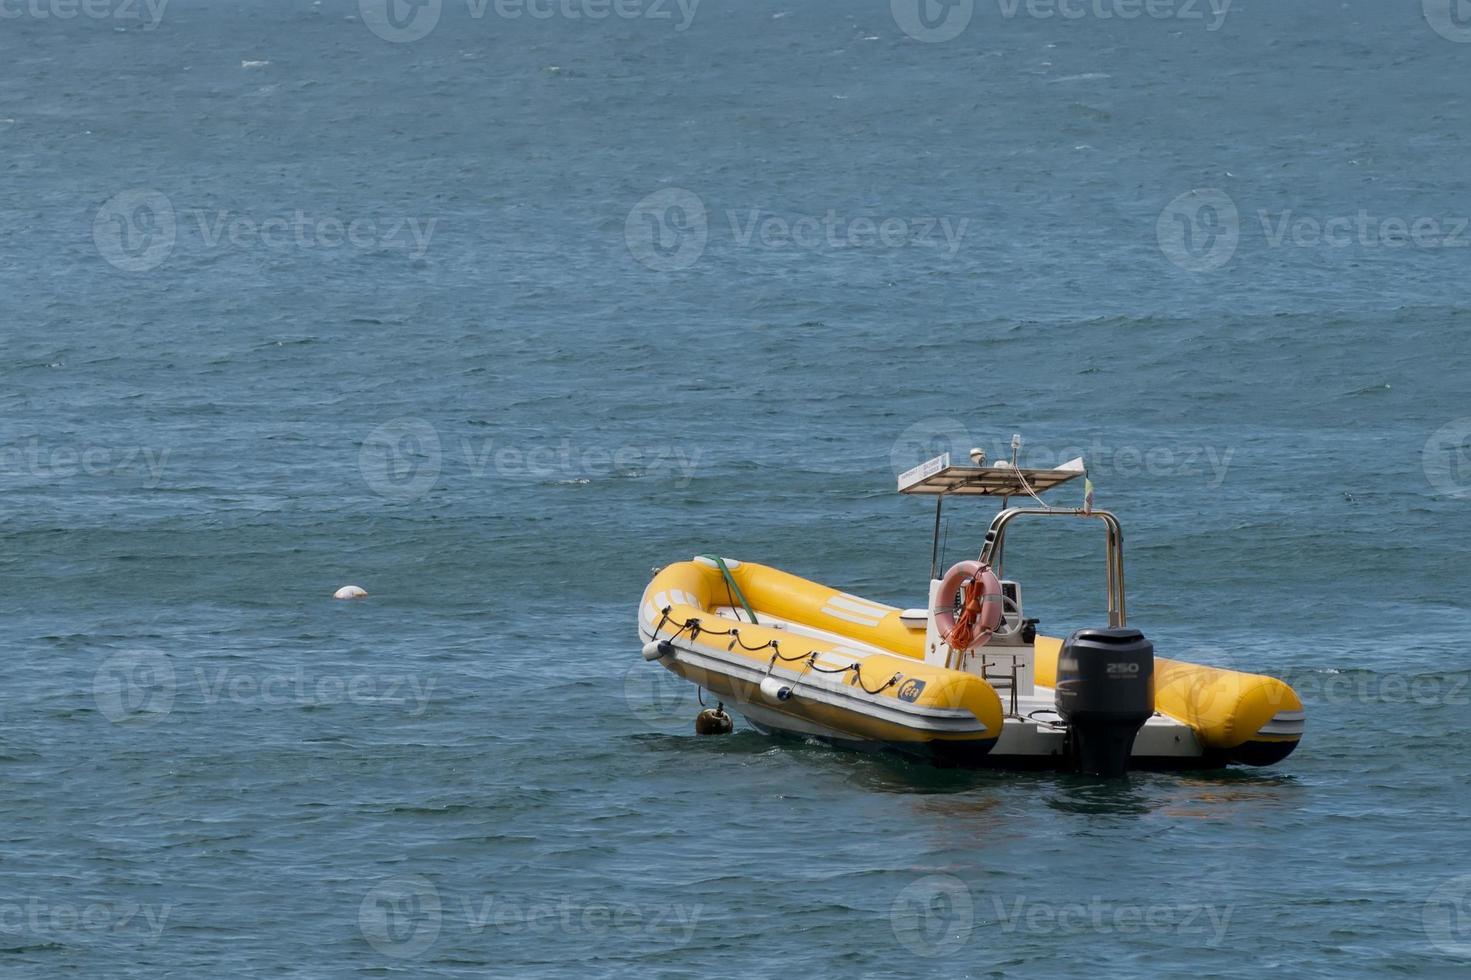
<point x="493" y="320"/>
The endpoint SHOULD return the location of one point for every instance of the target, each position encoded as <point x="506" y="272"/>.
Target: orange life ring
<point x="980" y="605"/>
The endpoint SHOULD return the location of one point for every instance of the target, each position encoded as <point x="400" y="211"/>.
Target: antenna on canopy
<point x="1016" y="445"/>
<point x="945" y="541"/>
<point x="935" y="547"/>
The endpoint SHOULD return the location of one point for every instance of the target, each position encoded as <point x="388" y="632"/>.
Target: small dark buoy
<point x="714" y="721"/>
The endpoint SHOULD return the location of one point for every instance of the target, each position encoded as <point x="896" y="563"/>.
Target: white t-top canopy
<point x="938" y="477"/>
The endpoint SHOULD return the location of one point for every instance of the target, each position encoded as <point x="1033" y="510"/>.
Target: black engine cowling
<point x="1105" y="693"/>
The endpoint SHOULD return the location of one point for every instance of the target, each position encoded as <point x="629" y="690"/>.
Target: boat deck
<point x="1035" y="730"/>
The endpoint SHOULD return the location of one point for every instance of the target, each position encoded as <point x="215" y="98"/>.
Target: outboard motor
<point x="1105" y="693"/>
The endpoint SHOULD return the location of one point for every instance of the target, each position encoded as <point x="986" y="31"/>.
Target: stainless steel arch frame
<point x="993" y="550"/>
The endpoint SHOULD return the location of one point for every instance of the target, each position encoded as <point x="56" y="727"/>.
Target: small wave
<point x="254" y="64"/>
<point x="31" y="947"/>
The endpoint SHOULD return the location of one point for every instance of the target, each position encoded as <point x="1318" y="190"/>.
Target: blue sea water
<point x="492" y="309"/>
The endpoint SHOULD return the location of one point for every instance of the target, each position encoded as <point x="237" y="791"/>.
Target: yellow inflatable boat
<point x="966" y="680"/>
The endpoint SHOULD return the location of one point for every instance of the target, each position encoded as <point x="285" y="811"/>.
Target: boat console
<point x="1005" y="655"/>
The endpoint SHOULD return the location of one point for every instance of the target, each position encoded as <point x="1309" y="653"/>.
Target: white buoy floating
<point x="350" y="592"/>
